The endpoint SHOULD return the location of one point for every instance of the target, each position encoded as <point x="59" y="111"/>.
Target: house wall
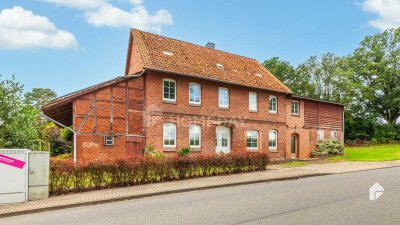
<point x="117" y="111"/>
<point x="313" y="116"/>
<point x="208" y="114"/>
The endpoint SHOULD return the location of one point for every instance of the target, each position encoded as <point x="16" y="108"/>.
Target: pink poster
<point x="11" y="161"/>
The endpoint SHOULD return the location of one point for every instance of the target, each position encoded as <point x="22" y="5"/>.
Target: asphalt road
<point x="333" y="199"/>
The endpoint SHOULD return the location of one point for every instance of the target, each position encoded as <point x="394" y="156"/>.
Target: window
<point x="334" y="135"/>
<point x="169" y="135"/>
<point x="253" y="104"/>
<point x="273" y="139"/>
<point x="273" y="104"/>
<point x="320" y="135"/>
<point x="295" y="107"/>
<point x="252" y="140"/>
<point x="223" y="97"/>
<point x="169" y="87"/>
<point x="194" y="93"/>
<point x="108" y="140"/>
<point x="194" y="136"/>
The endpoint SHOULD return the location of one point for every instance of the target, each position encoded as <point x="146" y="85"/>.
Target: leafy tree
<point x="39" y="96"/>
<point x="19" y="121"/>
<point x="376" y="68"/>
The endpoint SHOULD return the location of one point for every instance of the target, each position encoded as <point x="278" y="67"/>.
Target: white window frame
<point x="334" y="135"/>
<point x="227" y="97"/>
<point x="253" y="107"/>
<point x="276" y="105"/>
<point x="274" y="148"/>
<point x="191" y="128"/>
<point x="257" y="139"/>
<point x="294" y="102"/>
<point x="320" y="135"/>
<point x="169" y="99"/>
<point x="108" y="140"/>
<point x="166" y="128"/>
<point x="199" y="87"/>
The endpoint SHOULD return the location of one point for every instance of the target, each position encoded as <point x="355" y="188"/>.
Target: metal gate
<point x="135" y="146"/>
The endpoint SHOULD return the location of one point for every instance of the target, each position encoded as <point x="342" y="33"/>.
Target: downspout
<point x="62" y="125"/>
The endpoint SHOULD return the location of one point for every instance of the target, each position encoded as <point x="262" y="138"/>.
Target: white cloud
<point x="101" y="13"/>
<point x="21" y="29"/>
<point x="388" y="13"/>
<point x="79" y="4"/>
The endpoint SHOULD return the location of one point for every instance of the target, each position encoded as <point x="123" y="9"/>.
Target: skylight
<point x="168" y="53"/>
<point x="219" y="66"/>
<point x="258" y="75"/>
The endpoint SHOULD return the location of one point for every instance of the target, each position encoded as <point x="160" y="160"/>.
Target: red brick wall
<point x="208" y="114"/>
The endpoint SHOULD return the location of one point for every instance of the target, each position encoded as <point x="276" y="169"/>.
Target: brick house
<point x="176" y="94"/>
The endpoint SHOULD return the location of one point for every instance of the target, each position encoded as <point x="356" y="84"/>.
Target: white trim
<point x="318" y="135"/>
<point x="174" y="126"/>
<point x="276" y="140"/>
<point x="199" y="86"/>
<point x="108" y="142"/>
<point x="195" y="146"/>
<point x="258" y="139"/>
<point x="269" y="104"/>
<point x="298" y="108"/>
<point x="219" y="96"/>
<point x="168" y="99"/>
<point x="256" y="103"/>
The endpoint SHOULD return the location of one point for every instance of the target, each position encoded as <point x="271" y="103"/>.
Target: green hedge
<point x="68" y="177"/>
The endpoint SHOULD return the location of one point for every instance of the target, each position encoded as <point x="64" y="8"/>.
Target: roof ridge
<point x="197" y="45"/>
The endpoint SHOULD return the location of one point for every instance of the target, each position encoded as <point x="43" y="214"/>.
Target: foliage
<point x="57" y="144"/>
<point x="376" y="68"/>
<point x="328" y="148"/>
<point x="68" y="177"/>
<point x="151" y="152"/>
<point x="184" y="152"/>
<point x="39" y="96"/>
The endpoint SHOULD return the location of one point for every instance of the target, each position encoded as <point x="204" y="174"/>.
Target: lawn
<point x="375" y="153"/>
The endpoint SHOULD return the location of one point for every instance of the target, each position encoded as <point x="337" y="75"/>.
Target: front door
<point x="293" y="144"/>
<point x="223" y="139"/>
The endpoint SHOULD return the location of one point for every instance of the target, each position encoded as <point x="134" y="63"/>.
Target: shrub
<point x="150" y="151"/>
<point x="68" y="177"/>
<point x="184" y="152"/>
<point x="328" y="148"/>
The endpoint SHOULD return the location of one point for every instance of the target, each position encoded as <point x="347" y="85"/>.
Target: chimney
<point x="210" y="45"/>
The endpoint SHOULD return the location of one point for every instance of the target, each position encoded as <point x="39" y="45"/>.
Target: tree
<point x="286" y="73"/>
<point x="326" y="77"/>
<point x="18" y="128"/>
<point x="39" y="96"/>
<point x="376" y="67"/>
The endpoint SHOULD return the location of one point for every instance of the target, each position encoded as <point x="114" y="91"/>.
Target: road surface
<point x="333" y="199"/>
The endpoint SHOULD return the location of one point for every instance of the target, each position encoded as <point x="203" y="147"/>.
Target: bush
<point x="184" y="152"/>
<point x="328" y="148"/>
<point x="150" y="151"/>
<point x="68" y="177"/>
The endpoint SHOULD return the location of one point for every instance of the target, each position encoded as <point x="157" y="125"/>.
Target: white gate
<point x="13" y="175"/>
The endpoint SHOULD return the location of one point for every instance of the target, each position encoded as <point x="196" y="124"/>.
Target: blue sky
<point x="81" y="44"/>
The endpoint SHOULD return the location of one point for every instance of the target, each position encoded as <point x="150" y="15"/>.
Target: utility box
<point x="13" y="175"/>
<point x="24" y="175"/>
<point x="39" y="165"/>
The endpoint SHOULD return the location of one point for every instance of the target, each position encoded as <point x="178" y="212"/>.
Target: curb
<point x="52" y="208"/>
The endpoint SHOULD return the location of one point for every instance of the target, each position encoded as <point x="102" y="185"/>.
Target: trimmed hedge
<point x="68" y="177"/>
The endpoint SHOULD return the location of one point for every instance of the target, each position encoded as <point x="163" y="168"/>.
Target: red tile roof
<point x="175" y="56"/>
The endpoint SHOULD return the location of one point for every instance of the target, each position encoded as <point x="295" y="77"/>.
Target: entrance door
<point x="294" y="144"/>
<point x="223" y="139"/>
